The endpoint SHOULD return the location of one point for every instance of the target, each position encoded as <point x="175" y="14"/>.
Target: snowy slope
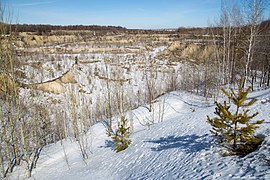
<point x="180" y="147"/>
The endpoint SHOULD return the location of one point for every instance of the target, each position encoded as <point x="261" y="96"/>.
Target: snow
<point x="180" y="147"/>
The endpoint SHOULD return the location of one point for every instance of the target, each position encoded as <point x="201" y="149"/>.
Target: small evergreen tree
<point x="234" y="129"/>
<point x="121" y="135"/>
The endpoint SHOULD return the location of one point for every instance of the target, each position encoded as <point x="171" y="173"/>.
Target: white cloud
<point x="36" y="3"/>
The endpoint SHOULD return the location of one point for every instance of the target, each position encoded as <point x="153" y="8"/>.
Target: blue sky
<point x="147" y="14"/>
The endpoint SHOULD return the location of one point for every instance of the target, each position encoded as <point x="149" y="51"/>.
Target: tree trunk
<point x="2" y="163"/>
<point x="249" y="58"/>
<point x="268" y="77"/>
<point x="109" y="107"/>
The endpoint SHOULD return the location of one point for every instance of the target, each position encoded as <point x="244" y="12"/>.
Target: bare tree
<point x="8" y="91"/>
<point x="241" y="27"/>
<point x="253" y="17"/>
<point x="109" y="103"/>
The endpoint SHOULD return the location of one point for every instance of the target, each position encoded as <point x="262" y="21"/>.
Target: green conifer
<point x="234" y="128"/>
<point x="121" y="135"/>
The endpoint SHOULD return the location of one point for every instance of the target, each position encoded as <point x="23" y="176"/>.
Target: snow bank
<point x="180" y="147"/>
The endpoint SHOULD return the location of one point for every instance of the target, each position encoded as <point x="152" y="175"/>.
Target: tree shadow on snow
<point x="108" y="144"/>
<point x="189" y="143"/>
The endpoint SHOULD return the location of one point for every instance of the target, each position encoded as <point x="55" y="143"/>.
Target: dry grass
<point x="7" y="85"/>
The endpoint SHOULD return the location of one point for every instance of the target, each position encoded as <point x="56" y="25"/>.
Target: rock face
<point x="55" y="87"/>
<point x="68" y="78"/>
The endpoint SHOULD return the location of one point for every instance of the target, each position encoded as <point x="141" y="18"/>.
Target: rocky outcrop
<point x="55" y="86"/>
<point x="68" y="78"/>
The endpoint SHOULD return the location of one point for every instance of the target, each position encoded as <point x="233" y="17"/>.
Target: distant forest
<point x="48" y="28"/>
<point x="43" y="29"/>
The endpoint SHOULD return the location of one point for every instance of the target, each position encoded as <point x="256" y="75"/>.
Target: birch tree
<point x="240" y="26"/>
<point x="254" y="16"/>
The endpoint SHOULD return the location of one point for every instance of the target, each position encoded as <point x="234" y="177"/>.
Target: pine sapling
<point x="121" y="136"/>
<point x="234" y="128"/>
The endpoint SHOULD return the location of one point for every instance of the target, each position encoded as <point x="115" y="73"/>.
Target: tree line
<point x="45" y="28"/>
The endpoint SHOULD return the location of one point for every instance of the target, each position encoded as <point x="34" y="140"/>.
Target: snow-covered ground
<point x="180" y="147"/>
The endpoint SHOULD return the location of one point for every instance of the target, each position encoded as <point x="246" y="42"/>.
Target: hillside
<point x="134" y="90"/>
<point x="69" y="86"/>
<point x="180" y="147"/>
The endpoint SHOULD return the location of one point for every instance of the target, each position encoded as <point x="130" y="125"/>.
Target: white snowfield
<point x="180" y="147"/>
